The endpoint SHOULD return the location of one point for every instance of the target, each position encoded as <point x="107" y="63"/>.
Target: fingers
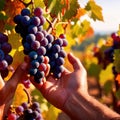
<point x="75" y="62"/>
<point x="1" y="82"/>
<point x="17" y="76"/>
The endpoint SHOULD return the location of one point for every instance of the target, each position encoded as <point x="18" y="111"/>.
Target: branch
<point x="51" y="25"/>
<point x="26" y="4"/>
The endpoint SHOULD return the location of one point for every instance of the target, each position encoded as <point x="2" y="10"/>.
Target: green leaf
<point x="94" y="70"/>
<point x="95" y="10"/>
<point x="72" y="11"/>
<point x="108" y="87"/>
<point x="54" y="6"/>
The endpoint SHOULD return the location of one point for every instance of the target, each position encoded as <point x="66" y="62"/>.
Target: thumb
<point x="75" y="62"/>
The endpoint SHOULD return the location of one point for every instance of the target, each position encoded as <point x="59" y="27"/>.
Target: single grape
<point x="39" y="36"/>
<point x="38" y="11"/>
<point x="34" y="64"/>
<point x="35" y="45"/>
<point x="43" y="20"/>
<point x="25" y="21"/>
<point x="56" y="48"/>
<point x="6" y="47"/>
<point x="44" y="42"/>
<point x="41" y="50"/>
<point x="33" y="55"/>
<point x="42" y="67"/>
<point x="9" y="59"/>
<point x="25" y="11"/>
<point x="19" y="109"/>
<point x="50" y="38"/>
<point x="30" y="38"/>
<point x="33" y="71"/>
<point x="35" y="21"/>
<point x="60" y="61"/>
<point x="32" y="29"/>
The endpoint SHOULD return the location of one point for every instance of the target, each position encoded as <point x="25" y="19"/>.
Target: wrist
<point x="80" y="106"/>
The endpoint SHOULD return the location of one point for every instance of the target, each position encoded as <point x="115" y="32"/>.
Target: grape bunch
<point x="40" y="45"/>
<point x="5" y="58"/>
<point x="25" y="111"/>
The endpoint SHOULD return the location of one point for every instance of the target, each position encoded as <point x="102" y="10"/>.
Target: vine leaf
<point x="95" y="10"/>
<point x="72" y="10"/>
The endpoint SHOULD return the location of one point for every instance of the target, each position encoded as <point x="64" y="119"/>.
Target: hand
<point x="58" y="91"/>
<point x="7" y="90"/>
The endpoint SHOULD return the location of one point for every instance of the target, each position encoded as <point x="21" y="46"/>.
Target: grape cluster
<point x="106" y="55"/>
<point x="5" y="58"/>
<point x="25" y="111"/>
<point x="38" y="44"/>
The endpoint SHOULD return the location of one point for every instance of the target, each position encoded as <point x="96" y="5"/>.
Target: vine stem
<point x="28" y="96"/>
<point x="27" y="4"/>
<point x="51" y="24"/>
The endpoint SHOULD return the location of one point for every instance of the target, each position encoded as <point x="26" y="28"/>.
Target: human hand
<point x="58" y="91"/>
<point x="7" y="89"/>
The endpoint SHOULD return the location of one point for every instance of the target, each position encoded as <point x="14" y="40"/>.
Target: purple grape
<point x="32" y="29"/>
<point x="38" y="11"/>
<point x="39" y="74"/>
<point x="44" y="42"/>
<point x="43" y="20"/>
<point x="35" y="21"/>
<point x="25" y="11"/>
<point x="3" y="38"/>
<point x="17" y="19"/>
<point x="59" y="42"/>
<point x="32" y="71"/>
<point x="25" y="21"/>
<point x="30" y="38"/>
<point x="60" y="61"/>
<point x="62" y="53"/>
<point x="40" y="59"/>
<point x="4" y="73"/>
<point x="25" y="105"/>
<point x="35" y="45"/>
<point x="6" y="47"/>
<point x="35" y="64"/>
<point x="39" y="36"/>
<point x="35" y="105"/>
<point x="19" y="109"/>
<point x="41" y="51"/>
<point x="35" y="114"/>
<point x="3" y="64"/>
<point x="56" y="48"/>
<point x="9" y="59"/>
<point x="33" y="55"/>
<point x="50" y="38"/>
<point x="40" y="28"/>
<point x="44" y="32"/>
<point x="65" y="43"/>
<point x="59" y="69"/>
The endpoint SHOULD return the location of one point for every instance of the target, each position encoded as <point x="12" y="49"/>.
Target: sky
<point x="111" y="15"/>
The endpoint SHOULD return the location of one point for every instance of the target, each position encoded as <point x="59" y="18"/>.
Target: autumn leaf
<point x="95" y="10"/>
<point x="72" y="10"/>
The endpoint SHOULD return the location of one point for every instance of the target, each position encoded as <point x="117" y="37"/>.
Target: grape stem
<point x="51" y="24"/>
<point x="27" y="4"/>
<point x="28" y="96"/>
